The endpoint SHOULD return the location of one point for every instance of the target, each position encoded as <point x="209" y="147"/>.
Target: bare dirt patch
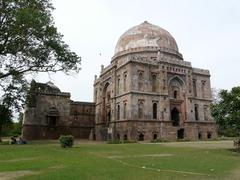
<point x="11" y="175"/>
<point x="202" y="144"/>
<point x="17" y="160"/>
<point x="234" y="175"/>
<point x="138" y="156"/>
<point x="56" y="167"/>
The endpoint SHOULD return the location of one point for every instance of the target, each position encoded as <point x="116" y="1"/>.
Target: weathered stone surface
<point x="53" y="113"/>
<point x="148" y="91"/>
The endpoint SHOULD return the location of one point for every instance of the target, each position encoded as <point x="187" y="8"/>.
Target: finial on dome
<point x="146" y="22"/>
<point x="50" y="83"/>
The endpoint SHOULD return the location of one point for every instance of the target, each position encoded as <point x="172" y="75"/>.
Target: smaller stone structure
<point x="50" y="113"/>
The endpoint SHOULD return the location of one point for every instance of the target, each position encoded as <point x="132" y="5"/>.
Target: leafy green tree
<point x="5" y="117"/>
<point x="17" y="126"/>
<point x="29" y="44"/>
<point x="226" y="111"/>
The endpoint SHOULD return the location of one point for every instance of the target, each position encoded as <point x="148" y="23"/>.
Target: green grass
<point x="179" y="160"/>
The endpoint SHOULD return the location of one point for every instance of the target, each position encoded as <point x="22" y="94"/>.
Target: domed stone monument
<point x="149" y="92"/>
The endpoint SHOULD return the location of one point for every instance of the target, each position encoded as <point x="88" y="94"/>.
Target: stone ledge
<point x="57" y="126"/>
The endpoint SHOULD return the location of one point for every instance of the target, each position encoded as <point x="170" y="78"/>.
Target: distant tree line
<point x="226" y="111"/>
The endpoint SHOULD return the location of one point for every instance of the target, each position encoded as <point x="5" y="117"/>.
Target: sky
<point x="207" y="33"/>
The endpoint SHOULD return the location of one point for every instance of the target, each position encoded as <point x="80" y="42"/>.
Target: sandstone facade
<point x="50" y="113"/>
<point x="149" y="92"/>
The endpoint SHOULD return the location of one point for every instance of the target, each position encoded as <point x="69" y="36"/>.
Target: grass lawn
<point x="178" y="160"/>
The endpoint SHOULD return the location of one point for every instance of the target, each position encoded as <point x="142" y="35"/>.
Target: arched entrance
<point x="106" y="108"/>
<point x="177" y="97"/>
<point x="52" y="116"/>
<point x="175" y="116"/>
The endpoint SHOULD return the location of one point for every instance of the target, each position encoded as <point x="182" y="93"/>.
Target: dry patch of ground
<point x="202" y="144"/>
<point x="139" y="156"/>
<point x="10" y="175"/>
<point x="234" y="175"/>
<point x="17" y="160"/>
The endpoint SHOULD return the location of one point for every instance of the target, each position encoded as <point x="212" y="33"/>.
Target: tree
<point x="29" y="43"/>
<point x="17" y="126"/>
<point x="215" y="95"/>
<point x="227" y="110"/>
<point x="5" y="117"/>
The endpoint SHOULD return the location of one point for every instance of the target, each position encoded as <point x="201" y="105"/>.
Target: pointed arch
<point x="177" y="78"/>
<point x="176" y="87"/>
<point x="106" y="105"/>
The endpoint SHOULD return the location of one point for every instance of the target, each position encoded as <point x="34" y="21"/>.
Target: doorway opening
<point x="154" y="136"/>
<point x="175" y="116"/>
<point x="52" y="120"/>
<point x="199" y="135"/>
<point x="180" y="133"/>
<point x="141" y="137"/>
<point x="125" y="137"/>
<point x="209" y="135"/>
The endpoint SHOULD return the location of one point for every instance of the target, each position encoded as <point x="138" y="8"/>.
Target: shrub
<point x="237" y="144"/>
<point x="66" y="141"/>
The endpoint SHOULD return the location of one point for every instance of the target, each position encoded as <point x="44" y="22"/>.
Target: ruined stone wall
<point x="53" y="114"/>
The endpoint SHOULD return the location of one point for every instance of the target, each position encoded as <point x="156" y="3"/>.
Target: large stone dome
<point x="146" y="36"/>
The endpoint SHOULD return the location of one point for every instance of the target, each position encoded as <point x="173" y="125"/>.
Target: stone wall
<point x="53" y="114"/>
<point x="166" y="68"/>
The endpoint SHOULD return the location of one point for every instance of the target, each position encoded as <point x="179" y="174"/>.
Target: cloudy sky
<point x="207" y="34"/>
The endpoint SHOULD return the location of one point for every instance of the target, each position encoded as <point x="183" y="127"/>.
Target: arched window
<point x="124" y="110"/>
<point x="125" y="137"/>
<point x="118" y="112"/>
<point x="118" y="85"/>
<point x="154" y="110"/>
<point x="203" y="88"/>
<point x="108" y="96"/>
<point x="140" y="81"/>
<point x="140" y="109"/>
<point x="175" y="94"/>
<point x="125" y="82"/>
<point x="205" y="112"/>
<point x="196" y="112"/>
<point x="194" y="87"/>
<point x="154" y="83"/>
